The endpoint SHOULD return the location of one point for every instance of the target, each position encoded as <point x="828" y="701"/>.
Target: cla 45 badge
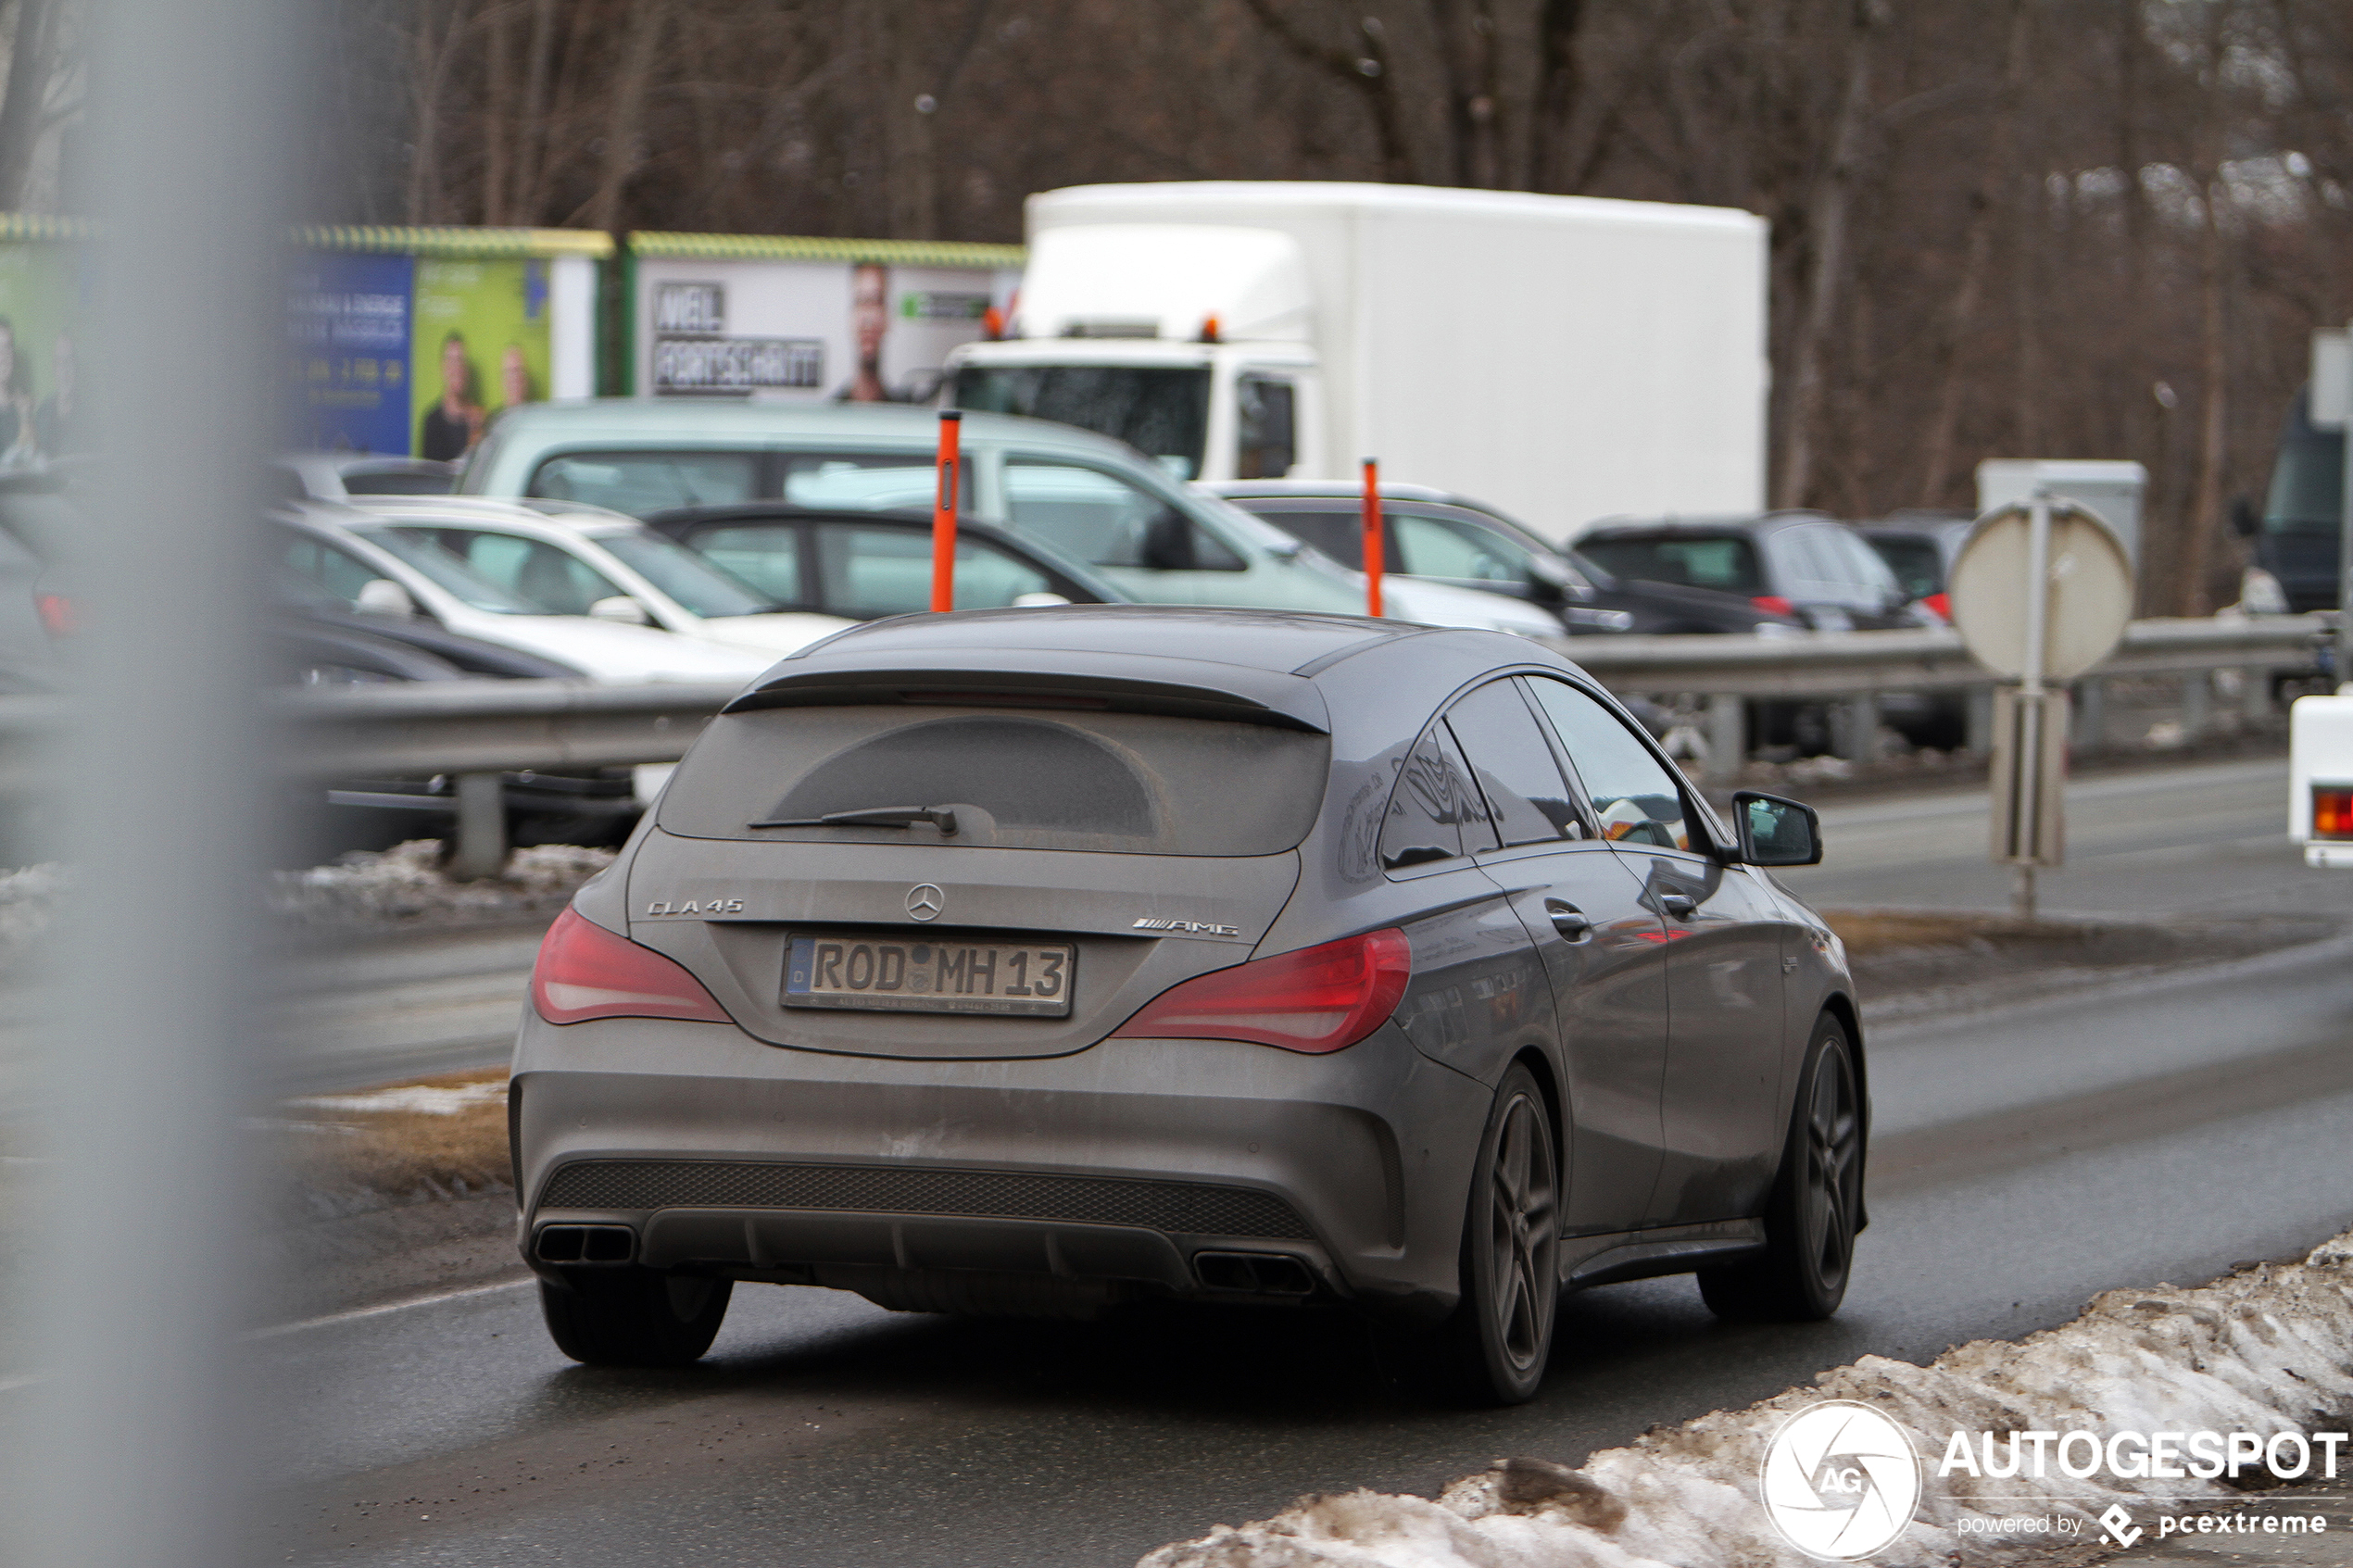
<point x="707" y="907"/>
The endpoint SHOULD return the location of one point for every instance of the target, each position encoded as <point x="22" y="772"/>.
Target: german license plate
<point x="1030" y="979"/>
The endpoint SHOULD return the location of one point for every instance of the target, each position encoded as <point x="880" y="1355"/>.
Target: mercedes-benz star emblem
<point x="925" y="901"/>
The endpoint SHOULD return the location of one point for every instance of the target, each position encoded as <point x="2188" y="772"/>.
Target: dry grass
<point x="372" y="1142"/>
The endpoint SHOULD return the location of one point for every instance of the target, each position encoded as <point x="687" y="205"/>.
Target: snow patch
<point x="2267" y="1350"/>
<point x="413" y="1098"/>
<point x="405" y="884"/>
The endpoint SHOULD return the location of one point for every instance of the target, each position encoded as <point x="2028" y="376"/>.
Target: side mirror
<point x="622" y="611"/>
<point x="1038" y="601"/>
<point x="1775" y="832"/>
<point x="382" y="596"/>
<point x="2244" y="522"/>
<point x="1168" y="542"/>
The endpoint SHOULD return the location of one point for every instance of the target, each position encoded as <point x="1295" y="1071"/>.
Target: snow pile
<point x="406" y="883"/>
<point x="415" y="1100"/>
<point x="2267" y="1350"/>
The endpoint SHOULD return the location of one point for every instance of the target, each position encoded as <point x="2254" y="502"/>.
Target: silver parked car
<point x="1036" y="961"/>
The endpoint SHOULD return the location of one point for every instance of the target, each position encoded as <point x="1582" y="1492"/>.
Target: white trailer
<point x="1563" y="358"/>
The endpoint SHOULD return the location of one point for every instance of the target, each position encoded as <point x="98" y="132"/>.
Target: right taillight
<point x="586" y="972"/>
<point x="2333" y="810"/>
<point x="1317" y="999"/>
<point x="1774" y="603"/>
<point x="56" y="614"/>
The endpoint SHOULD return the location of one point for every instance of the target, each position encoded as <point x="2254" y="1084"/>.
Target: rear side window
<point x="1633" y="794"/>
<point x="766" y="555"/>
<point x="1435" y="812"/>
<point x="1105" y="520"/>
<point x="1916" y="563"/>
<point x="865" y="482"/>
<point x="1514" y="766"/>
<point x="643" y="482"/>
<point x="1723" y="561"/>
<point x="870" y="570"/>
<point x="1118" y="782"/>
<point x="554" y="579"/>
<point x="1429" y="546"/>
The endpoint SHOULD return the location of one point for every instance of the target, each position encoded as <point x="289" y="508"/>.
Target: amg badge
<point x="1200" y="927"/>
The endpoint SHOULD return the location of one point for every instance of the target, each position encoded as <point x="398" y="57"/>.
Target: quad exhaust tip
<point x="1257" y="1273"/>
<point x="585" y="1244"/>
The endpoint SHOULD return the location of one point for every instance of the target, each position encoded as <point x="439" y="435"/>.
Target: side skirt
<point x="1666" y="1249"/>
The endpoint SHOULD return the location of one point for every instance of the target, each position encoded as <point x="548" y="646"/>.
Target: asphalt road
<point x="2025" y="1159"/>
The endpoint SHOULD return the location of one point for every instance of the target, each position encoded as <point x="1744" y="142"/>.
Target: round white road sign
<point x="1840" y="1481"/>
<point x="2091" y="592"/>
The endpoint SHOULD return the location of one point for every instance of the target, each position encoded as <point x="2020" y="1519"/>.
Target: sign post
<point x="2041" y="593"/>
<point x="1372" y="537"/>
<point x="943" y="516"/>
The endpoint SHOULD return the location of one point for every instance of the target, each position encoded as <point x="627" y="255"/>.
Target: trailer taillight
<point x="2333" y="810"/>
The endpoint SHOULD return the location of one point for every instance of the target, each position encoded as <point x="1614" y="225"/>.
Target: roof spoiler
<point x="1240" y="695"/>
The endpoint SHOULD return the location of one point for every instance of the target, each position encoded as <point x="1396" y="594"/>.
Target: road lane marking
<point x="388" y="1307"/>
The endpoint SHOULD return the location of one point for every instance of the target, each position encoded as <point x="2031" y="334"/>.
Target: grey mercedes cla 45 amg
<point x="1032" y="961"/>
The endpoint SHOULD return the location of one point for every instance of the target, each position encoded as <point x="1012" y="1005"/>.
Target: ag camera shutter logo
<point x="1840" y="1481"/>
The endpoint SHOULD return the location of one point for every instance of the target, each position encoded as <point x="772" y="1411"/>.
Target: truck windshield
<point x="1163" y="411"/>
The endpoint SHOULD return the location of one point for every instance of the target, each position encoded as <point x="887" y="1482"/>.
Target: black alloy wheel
<point x="1810" y="1220"/>
<point x="1494" y="1348"/>
<point x="632" y="1316"/>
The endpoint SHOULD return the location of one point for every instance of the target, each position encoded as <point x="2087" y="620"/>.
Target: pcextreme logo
<point x="1840" y="1481"/>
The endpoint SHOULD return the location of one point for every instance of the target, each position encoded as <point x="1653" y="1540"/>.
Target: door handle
<point x="1679" y="905"/>
<point x="1568" y="919"/>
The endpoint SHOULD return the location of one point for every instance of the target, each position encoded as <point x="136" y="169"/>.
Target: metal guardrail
<point x="477" y="730"/>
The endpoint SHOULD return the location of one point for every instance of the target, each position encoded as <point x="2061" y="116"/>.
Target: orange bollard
<point x="1372" y="537"/>
<point x="943" y="516"/>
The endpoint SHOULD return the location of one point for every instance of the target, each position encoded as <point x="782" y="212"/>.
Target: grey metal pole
<point x="2345" y="543"/>
<point x="145" y="1272"/>
<point x="2031" y="698"/>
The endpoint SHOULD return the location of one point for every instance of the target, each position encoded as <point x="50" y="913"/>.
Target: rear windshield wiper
<point x="939" y="816"/>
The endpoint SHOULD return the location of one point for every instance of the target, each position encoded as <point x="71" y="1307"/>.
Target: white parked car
<point x="579" y="559"/>
<point x="372" y="566"/>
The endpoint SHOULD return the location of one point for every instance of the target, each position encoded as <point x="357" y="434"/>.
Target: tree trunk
<point x="1976" y="254"/>
<point x="1466" y="45"/>
<point x="1367" y="74"/>
<point x="497" y="121"/>
<point x="624" y="125"/>
<point x="2206" y="510"/>
<point x="28" y="89"/>
<point x="1559" y="88"/>
<point x="1832" y="201"/>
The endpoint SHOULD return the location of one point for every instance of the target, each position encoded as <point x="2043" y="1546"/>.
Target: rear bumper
<point x="1122" y="1162"/>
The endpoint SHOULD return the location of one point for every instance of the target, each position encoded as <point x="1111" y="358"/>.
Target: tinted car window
<point x="1916" y="563"/>
<point x="1105" y="520"/>
<point x="1724" y="562"/>
<point x="1428" y="545"/>
<point x="1337" y="529"/>
<point x="338" y="571"/>
<point x="643" y="483"/>
<point x="557" y="580"/>
<point x="701" y="585"/>
<point x="1633" y="794"/>
<point x="865" y="482"/>
<point x="1121" y="783"/>
<point x="1527" y="797"/>
<point x="766" y="555"/>
<point x="866" y="573"/>
<point x="1265" y="445"/>
<point x="1434" y="812"/>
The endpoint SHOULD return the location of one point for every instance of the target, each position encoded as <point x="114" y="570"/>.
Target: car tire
<point x="1810" y="1216"/>
<point x="633" y="1316"/>
<point x="1493" y="1349"/>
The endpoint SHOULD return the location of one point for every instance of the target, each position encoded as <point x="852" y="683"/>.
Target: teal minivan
<point x="1087" y="495"/>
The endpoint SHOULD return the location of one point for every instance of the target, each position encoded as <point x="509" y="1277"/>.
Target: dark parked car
<point x="864" y="565"/>
<point x="1800" y="564"/>
<point x="1919" y="547"/>
<point x="1036" y="962"/>
<point x="1451" y="539"/>
<point x="1803" y="563"/>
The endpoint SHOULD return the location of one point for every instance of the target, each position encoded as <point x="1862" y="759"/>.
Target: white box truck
<point x="1563" y="357"/>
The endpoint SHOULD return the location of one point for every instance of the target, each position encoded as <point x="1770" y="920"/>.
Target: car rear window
<point x="1116" y="783"/>
<point x="1723" y="561"/>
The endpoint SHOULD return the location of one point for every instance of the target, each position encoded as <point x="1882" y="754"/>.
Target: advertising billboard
<point x="409" y="342"/>
<point x="808" y="320"/>
<point x="44" y="286"/>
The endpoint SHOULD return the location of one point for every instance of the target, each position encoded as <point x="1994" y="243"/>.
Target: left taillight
<point x="1317" y="999"/>
<point x="2332" y="812"/>
<point x="56" y="614"/>
<point x="586" y="972"/>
